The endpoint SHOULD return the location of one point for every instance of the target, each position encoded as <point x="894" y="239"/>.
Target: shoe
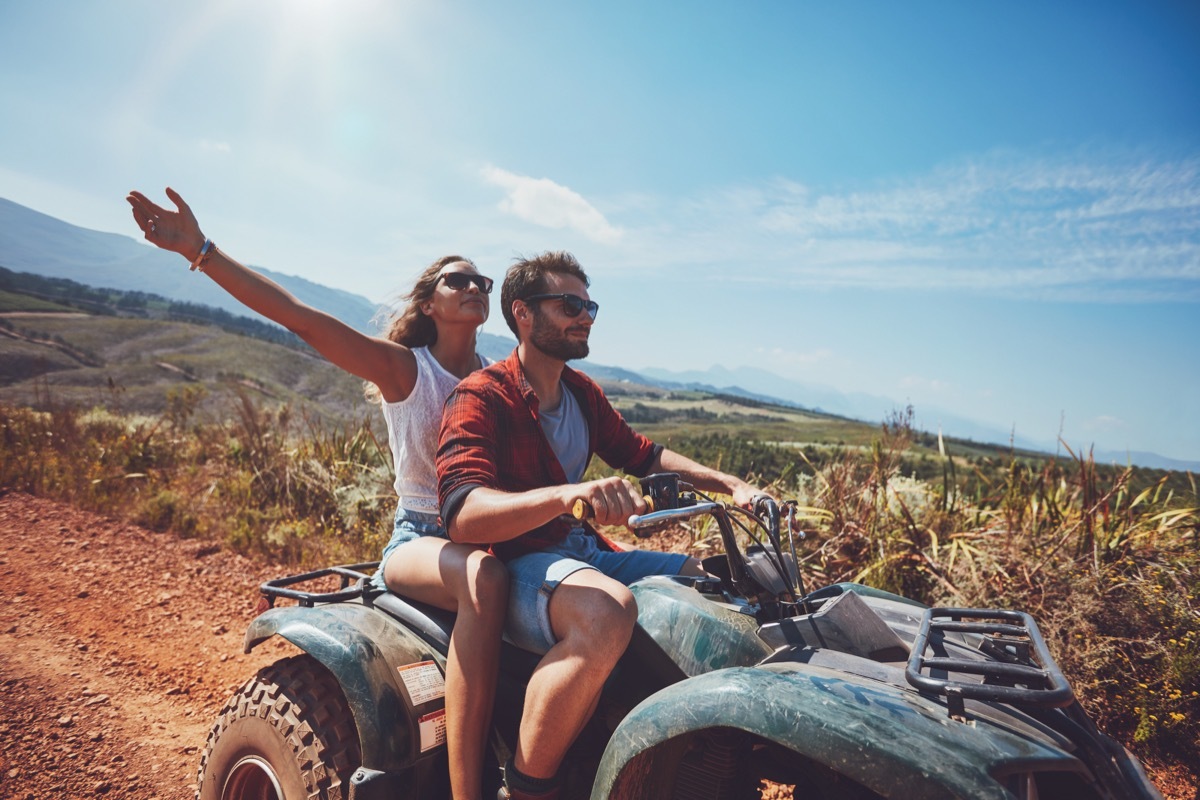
<point x="516" y="794"/>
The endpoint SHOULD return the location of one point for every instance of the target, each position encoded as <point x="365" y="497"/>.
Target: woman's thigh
<point x="438" y="571"/>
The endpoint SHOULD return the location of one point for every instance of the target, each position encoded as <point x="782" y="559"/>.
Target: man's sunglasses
<point x="458" y="281"/>
<point x="572" y="304"/>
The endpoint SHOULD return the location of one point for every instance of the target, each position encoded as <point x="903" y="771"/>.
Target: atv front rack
<point x="356" y="574"/>
<point x="1019" y="669"/>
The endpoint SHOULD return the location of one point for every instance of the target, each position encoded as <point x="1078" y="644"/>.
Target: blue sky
<point x="988" y="209"/>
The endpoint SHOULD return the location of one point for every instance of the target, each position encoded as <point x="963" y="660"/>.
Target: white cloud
<point x="1088" y="226"/>
<point x="550" y="205"/>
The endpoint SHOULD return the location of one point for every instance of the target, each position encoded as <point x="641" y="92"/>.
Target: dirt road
<point x="118" y="646"/>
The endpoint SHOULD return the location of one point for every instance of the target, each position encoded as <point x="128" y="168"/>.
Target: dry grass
<point x="263" y="481"/>
<point x="1112" y="574"/>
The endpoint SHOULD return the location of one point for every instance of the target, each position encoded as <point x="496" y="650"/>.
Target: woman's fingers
<point x="141" y="215"/>
<point x="147" y="206"/>
<point x="170" y="230"/>
<point x="184" y="209"/>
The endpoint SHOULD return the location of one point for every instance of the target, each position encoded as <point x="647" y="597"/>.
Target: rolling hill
<point x="37" y="243"/>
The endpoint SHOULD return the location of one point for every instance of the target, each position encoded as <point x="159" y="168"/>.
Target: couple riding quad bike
<point x="729" y="681"/>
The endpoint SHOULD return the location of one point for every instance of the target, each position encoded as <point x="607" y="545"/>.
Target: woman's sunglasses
<point x="458" y="281"/>
<point x="572" y="304"/>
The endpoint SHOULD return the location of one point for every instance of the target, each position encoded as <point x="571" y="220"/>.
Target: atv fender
<point x="363" y="652"/>
<point x="893" y="742"/>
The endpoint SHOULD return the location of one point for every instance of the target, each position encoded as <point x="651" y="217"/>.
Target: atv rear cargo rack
<point x="353" y="579"/>
<point x="1023" y="673"/>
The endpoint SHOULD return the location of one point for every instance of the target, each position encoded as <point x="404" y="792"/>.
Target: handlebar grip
<point x="582" y="509"/>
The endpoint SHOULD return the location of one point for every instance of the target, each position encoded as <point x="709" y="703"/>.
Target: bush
<point x="293" y="491"/>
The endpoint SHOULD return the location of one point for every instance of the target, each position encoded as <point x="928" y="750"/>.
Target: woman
<point x="428" y="348"/>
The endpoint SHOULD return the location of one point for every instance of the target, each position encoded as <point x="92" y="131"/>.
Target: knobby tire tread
<point x="304" y="703"/>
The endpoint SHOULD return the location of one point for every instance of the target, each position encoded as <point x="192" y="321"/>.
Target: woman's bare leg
<point x="469" y="581"/>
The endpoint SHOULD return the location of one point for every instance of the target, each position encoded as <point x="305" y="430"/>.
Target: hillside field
<point x="273" y="452"/>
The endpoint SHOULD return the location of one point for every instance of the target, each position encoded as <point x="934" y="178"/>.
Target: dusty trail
<point x="117" y="648"/>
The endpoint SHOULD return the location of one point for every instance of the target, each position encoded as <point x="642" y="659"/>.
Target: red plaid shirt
<point x="491" y="437"/>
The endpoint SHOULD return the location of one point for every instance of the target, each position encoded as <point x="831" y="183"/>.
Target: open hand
<point x="176" y="231"/>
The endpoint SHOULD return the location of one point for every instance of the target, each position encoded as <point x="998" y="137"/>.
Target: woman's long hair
<point x="411" y="326"/>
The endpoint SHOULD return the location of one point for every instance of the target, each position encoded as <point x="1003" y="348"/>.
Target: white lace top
<point x="412" y="426"/>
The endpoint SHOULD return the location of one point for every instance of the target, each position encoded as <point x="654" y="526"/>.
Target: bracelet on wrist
<point x="205" y="250"/>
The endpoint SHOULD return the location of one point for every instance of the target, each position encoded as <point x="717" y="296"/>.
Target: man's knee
<point x="599" y="614"/>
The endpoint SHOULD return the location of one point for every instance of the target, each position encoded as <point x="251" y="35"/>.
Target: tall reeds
<point x="1111" y="574"/>
<point x="297" y="491"/>
<point x="1108" y="564"/>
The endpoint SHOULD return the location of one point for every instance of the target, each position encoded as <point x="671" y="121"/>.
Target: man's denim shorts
<point x="533" y="578"/>
<point x="409" y="525"/>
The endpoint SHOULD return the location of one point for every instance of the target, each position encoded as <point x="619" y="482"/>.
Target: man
<point x="515" y="441"/>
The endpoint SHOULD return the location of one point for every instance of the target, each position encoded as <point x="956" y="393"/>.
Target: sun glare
<point x="327" y="18"/>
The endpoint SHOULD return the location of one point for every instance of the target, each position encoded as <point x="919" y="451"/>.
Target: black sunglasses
<point x="572" y="304"/>
<point x="461" y="280"/>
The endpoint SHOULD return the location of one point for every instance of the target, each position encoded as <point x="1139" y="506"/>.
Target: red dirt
<point x="118" y="647"/>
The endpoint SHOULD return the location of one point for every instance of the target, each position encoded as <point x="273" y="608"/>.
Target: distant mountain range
<point x="761" y="384"/>
<point x="815" y="397"/>
<point x="34" y="242"/>
<point x="31" y="241"/>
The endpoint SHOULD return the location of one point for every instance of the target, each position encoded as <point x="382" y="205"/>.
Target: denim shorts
<point x="409" y="525"/>
<point x="533" y="577"/>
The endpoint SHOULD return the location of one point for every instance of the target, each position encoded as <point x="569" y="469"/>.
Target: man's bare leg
<point x="592" y="616"/>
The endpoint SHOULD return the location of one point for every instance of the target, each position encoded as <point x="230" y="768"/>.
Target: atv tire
<point x="286" y="734"/>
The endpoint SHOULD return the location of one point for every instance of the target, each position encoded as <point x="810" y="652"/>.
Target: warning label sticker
<point x="433" y="729"/>
<point x="423" y="681"/>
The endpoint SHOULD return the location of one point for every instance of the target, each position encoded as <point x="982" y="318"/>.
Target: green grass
<point x="131" y="366"/>
<point x="11" y="301"/>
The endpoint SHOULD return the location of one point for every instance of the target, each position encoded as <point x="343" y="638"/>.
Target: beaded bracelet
<point x="204" y="251"/>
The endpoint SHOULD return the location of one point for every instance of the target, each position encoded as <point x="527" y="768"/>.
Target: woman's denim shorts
<point x="409" y="525"/>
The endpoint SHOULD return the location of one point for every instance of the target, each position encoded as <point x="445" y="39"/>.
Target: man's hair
<point x="527" y="276"/>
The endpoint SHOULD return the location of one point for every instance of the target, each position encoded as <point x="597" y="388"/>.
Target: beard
<point x="553" y="342"/>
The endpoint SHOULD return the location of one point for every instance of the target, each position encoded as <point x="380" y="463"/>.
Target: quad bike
<point x="841" y="692"/>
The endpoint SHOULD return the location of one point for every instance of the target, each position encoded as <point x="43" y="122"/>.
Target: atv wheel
<point x="287" y="733"/>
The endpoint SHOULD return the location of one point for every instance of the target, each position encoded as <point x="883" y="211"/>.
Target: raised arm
<point x="390" y="366"/>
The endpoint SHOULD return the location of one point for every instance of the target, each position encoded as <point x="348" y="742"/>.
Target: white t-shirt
<point x="413" y="425"/>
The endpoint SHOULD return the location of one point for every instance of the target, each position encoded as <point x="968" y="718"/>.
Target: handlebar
<point x="581" y="509"/>
<point x="761" y="574"/>
<point x="671" y="515"/>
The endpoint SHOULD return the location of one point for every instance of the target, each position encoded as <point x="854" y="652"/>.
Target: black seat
<point x="434" y="624"/>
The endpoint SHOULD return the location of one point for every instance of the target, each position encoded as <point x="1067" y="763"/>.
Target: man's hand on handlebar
<point x="745" y="495"/>
<point x="749" y="497"/>
<point x="611" y="500"/>
<point x="756" y="501"/>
